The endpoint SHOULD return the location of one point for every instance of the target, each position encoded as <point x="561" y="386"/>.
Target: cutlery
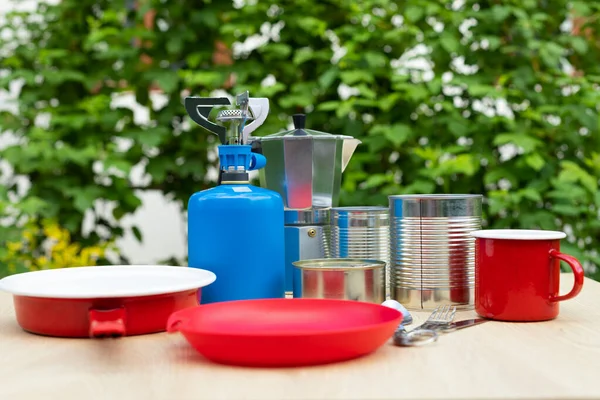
<point x="439" y="318"/>
<point x="462" y="324"/>
<point x="415" y="337"/>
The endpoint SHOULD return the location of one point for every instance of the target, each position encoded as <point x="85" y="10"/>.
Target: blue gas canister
<point x="236" y="229"/>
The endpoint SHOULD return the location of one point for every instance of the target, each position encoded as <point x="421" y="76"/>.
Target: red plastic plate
<point x="285" y="332"/>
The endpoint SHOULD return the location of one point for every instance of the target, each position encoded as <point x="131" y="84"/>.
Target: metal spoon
<point x="417" y="337"/>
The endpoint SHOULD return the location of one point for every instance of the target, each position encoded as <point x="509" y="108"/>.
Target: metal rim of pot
<point x="338" y="264"/>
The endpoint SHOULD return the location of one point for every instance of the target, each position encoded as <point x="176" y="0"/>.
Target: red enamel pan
<point x="285" y="332"/>
<point x="119" y="300"/>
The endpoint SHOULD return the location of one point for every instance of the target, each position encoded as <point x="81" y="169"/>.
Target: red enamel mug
<point x="517" y="274"/>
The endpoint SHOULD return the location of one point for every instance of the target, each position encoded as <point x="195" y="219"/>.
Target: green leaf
<point x="366" y="91"/>
<point x="461" y="164"/>
<point x="551" y="53"/>
<point x="567" y="191"/>
<point x="581" y="7"/>
<point x="527" y="143"/>
<point x="449" y="42"/>
<point x="203" y="78"/>
<point x="174" y="45"/>
<point x="296" y="100"/>
<point x="375" y="59"/>
<point x="118" y="212"/>
<point x="270" y="91"/>
<point x="166" y="80"/>
<point x="493" y="42"/>
<point x="387" y="102"/>
<point x="499" y="13"/>
<point x="418" y="187"/>
<point x="358" y="75"/>
<point x="530" y="194"/>
<point x="540" y="219"/>
<point x="375" y="143"/>
<point x="84" y="198"/>
<point x="328" y="78"/>
<point x="158" y="168"/>
<point x="457" y="127"/>
<point x="494" y="175"/>
<point x="150" y="137"/>
<point x="32" y="205"/>
<point x="571" y="172"/>
<point x="279" y="50"/>
<point x="329" y="105"/>
<point x="312" y="25"/>
<point x="376" y="180"/>
<point x="579" y="44"/>
<point x="302" y="55"/>
<point x="396" y="134"/>
<point x="137" y="233"/>
<point x="119" y="164"/>
<point x="132" y="200"/>
<point x="535" y="161"/>
<point x="206" y="17"/>
<point x="413" y="13"/>
<point x="481" y="90"/>
<point x="565" y="209"/>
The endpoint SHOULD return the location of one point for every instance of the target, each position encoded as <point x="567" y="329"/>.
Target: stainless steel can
<point x="362" y="233"/>
<point x="432" y="260"/>
<point x="339" y="278"/>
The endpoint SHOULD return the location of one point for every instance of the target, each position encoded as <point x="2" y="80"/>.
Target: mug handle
<point x="577" y="270"/>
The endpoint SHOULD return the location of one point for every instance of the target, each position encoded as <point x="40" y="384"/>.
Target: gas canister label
<point x="241" y="189"/>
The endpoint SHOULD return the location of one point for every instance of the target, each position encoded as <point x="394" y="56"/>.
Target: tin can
<point x="432" y="260"/>
<point x="339" y="278"/>
<point x="362" y="233"/>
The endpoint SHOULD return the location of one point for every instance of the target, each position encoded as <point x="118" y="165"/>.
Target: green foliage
<point x="468" y="100"/>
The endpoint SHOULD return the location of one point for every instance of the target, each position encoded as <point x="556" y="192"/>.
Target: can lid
<point x="338" y="264"/>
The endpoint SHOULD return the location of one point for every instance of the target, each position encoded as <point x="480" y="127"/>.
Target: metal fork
<point x="439" y="318"/>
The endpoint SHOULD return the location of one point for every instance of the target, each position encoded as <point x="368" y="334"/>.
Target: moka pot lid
<point x="301" y="133"/>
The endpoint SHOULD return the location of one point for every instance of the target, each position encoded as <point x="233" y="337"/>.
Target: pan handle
<point x="107" y="323"/>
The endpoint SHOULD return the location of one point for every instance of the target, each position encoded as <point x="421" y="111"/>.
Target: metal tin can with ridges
<point x="432" y="255"/>
<point x="362" y="233"/>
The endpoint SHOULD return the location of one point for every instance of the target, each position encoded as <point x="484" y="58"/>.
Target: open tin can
<point x="340" y="278"/>
<point x="432" y="250"/>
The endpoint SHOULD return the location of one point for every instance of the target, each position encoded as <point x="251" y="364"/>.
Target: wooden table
<point x="555" y="359"/>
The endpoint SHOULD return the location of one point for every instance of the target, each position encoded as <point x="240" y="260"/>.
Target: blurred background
<point x="98" y="158"/>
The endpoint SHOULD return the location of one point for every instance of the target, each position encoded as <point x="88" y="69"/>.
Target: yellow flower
<point x="14" y="247"/>
<point x="28" y="235"/>
<point x="42" y="262"/>
<point x="53" y="231"/>
<point x="60" y="252"/>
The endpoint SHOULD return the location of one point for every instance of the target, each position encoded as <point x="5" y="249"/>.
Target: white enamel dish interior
<point x="107" y="281"/>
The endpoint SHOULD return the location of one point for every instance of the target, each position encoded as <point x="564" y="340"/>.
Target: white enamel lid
<point x="106" y="281"/>
<point x="518" y="234"/>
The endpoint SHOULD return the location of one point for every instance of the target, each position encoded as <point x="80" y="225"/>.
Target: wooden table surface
<point x="555" y="359"/>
